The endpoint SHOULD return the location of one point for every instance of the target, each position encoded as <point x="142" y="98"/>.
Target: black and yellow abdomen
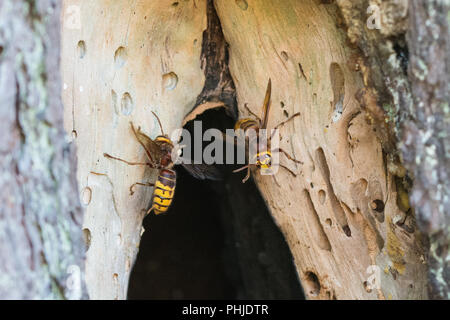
<point x="164" y="191"/>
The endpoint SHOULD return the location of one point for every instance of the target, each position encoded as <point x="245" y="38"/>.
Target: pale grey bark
<point x="426" y="134"/>
<point x="41" y="245"/>
<point x="406" y="62"/>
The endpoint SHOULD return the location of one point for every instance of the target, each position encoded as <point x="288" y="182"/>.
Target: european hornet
<point x="159" y="153"/>
<point x="263" y="157"/>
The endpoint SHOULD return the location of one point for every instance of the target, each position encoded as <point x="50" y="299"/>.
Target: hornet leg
<point x="289" y="156"/>
<point x="284" y="122"/>
<point x="289" y="170"/>
<point x="140" y="184"/>
<point x="248" y="172"/>
<point x="252" y="113"/>
<point x="130" y="163"/>
<point x="247" y="176"/>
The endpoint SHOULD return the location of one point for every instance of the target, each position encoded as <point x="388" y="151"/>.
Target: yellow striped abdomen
<point x="164" y="191"/>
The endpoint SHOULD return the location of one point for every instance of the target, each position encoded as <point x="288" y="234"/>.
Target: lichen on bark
<point x="41" y="216"/>
<point x="405" y="65"/>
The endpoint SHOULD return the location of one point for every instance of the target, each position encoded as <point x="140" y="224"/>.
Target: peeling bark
<point x="382" y="49"/>
<point x="348" y="209"/>
<point x="340" y="214"/>
<point x="405" y="66"/>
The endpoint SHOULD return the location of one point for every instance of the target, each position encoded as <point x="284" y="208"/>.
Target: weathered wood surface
<point x="326" y="212"/>
<point x="406" y="67"/>
<point x="127" y="58"/>
<point x="41" y="245"/>
<point x="345" y="216"/>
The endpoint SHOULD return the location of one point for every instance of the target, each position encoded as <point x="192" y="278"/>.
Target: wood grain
<point x="134" y="57"/>
<point x="299" y="46"/>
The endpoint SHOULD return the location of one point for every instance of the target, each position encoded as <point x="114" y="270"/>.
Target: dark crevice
<point x="335" y="203"/>
<point x="402" y="51"/>
<point x="219" y="85"/>
<point x="17" y="113"/>
<point x="217" y="241"/>
<point x="316" y="227"/>
<point x="312" y="284"/>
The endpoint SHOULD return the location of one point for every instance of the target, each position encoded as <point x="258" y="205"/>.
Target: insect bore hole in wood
<point x="120" y="57"/>
<point x="81" y="47"/>
<point x="312" y="283"/>
<point x="217" y="241"/>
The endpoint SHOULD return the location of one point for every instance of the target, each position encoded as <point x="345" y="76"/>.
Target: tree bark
<point x="41" y="250"/>
<point x="133" y="58"/>
<point x="326" y="213"/>
<point x="426" y="134"/>
<point x="346" y="215"/>
<point x="406" y="66"/>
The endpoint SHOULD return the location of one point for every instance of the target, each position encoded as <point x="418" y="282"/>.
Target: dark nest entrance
<point x="218" y="241"/>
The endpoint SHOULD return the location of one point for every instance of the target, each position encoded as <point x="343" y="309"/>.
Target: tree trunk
<point x="426" y="136"/>
<point x="136" y="57"/>
<point x="406" y="63"/>
<point x="42" y="250"/>
<point x="340" y="213"/>
<point x="346" y="215"/>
